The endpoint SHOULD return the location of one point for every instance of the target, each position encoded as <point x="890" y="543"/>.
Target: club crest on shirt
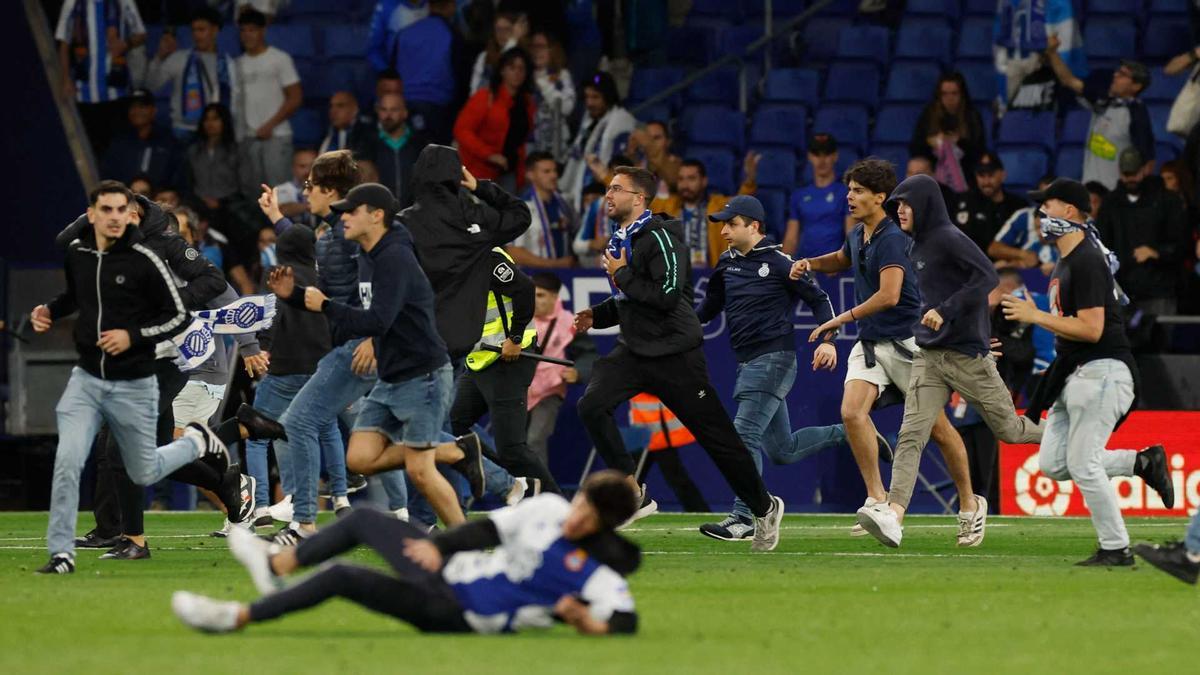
<point x="963" y="217"/>
<point x="764" y="270"/>
<point x="120" y="279"/>
<point x="574" y="560"/>
<point x="920" y="264"/>
<point x="191" y="254"/>
<point x="503" y="273"/>
<point x="829" y="197"/>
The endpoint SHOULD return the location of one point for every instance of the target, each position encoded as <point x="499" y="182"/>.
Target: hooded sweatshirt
<point x="454" y="236"/>
<point x="954" y="276"/>
<point x="304" y="336"/>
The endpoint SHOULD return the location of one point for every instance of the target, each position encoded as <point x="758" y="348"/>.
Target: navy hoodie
<point x="397" y="310"/>
<point x="954" y="276"/>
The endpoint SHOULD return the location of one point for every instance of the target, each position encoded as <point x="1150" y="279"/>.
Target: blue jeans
<point x="1192" y="540"/>
<point x="762" y="417"/>
<point x="130" y="408"/>
<point x="328" y="391"/>
<point x="272" y="397"/>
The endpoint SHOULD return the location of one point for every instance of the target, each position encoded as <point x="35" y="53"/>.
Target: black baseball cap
<point x="988" y="162"/>
<point x="741" y="205"/>
<point x="141" y="97"/>
<point x="1064" y="189"/>
<point x="822" y="143"/>
<point x="370" y="194"/>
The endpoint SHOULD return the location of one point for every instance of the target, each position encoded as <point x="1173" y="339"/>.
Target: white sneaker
<point x="206" y="614"/>
<point x="254" y="554"/>
<point x="401" y="514"/>
<point x="228" y="527"/>
<point x="648" y="508"/>
<point x="857" y="530"/>
<point x="517" y="493"/>
<point x="281" y="511"/>
<point x="880" y="521"/>
<point x="972" y="524"/>
<point x="766" y="528"/>
<point x="341" y="506"/>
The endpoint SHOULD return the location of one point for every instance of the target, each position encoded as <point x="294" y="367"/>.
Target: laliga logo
<point x="246" y="314"/>
<point x="1038" y="494"/>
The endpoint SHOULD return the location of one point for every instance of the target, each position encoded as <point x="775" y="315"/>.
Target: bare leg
<point x="955" y="453"/>
<point x="857" y="400"/>
<point x="420" y="465"/>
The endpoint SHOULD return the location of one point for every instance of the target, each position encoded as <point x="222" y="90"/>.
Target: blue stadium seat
<point x="659" y="112"/>
<point x="1160" y="7"/>
<point x="896" y="153"/>
<point x="735" y="39"/>
<point x="1163" y="88"/>
<point x="308" y="126"/>
<point x="1075" y="126"/>
<point x="1159" y="114"/>
<point x="345" y="41"/>
<point x="295" y="39"/>
<point x="725" y="11"/>
<point x="719" y="86"/>
<point x="1024" y="167"/>
<point x="777" y="169"/>
<point x="988" y="118"/>
<point x="715" y="126"/>
<point x="841" y="7"/>
<point x="227" y="40"/>
<point x="895" y="123"/>
<point x="1166" y="152"/>
<point x="821" y="37"/>
<point x="691" y="45"/>
<point x="307" y="70"/>
<point x="924" y="40"/>
<point x="799" y="85"/>
<point x="853" y="83"/>
<point x="310" y="11"/>
<point x="1165" y="37"/>
<point x="975" y="38"/>
<point x="780" y="9"/>
<point x="1123" y="8"/>
<point x="869" y="43"/>
<point x="1069" y="162"/>
<point x="980" y="8"/>
<point x="775" y="205"/>
<point x="647" y="82"/>
<point x="846" y="158"/>
<point x="320" y="81"/>
<point x="948" y="9"/>
<point x="1023" y="127"/>
<point x="719" y="164"/>
<point x="912" y="82"/>
<point x="779" y="125"/>
<point x="981" y="78"/>
<point x="1109" y="38"/>
<point x="847" y="123"/>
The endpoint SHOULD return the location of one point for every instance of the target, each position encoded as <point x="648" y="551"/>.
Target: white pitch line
<point x="838" y="554"/>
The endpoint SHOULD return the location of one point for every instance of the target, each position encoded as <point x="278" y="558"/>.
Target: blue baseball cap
<point x="741" y="205"/>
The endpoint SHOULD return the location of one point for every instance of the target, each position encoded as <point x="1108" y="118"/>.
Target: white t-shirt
<point x="262" y="79"/>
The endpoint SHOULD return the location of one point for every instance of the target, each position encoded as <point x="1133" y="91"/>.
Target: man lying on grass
<point x="549" y="559"/>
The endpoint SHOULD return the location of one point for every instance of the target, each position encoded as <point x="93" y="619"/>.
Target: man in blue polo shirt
<point x="817" y="216"/>
<point x="889" y="304"/>
<point x="751" y="284"/>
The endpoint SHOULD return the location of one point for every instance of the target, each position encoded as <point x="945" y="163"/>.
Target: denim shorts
<point x="410" y="413"/>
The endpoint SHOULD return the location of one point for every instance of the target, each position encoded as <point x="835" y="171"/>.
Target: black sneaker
<point x="1120" y="557"/>
<point x="1156" y="474"/>
<point x="885" y="449"/>
<point x="355" y="482"/>
<point x="212" y="451"/>
<point x="59" y="564"/>
<point x="94" y="540"/>
<point x="260" y="427"/>
<point x="127" y="550"/>
<point x="265" y="520"/>
<point x="288" y="535"/>
<point x="471" y="466"/>
<point x="1171" y="558"/>
<point x="730" y="529"/>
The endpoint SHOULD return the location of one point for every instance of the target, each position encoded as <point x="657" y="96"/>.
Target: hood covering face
<point x="437" y="172"/>
<point x="297" y="247"/>
<point x="924" y="195"/>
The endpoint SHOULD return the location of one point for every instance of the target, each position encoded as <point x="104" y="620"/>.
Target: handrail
<point x="728" y="59"/>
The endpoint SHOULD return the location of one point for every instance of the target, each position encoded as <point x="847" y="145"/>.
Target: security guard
<point x="498" y="382"/>
<point x="981" y="211"/>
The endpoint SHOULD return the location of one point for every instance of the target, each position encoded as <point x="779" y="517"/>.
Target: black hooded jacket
<point x="454" y="237"/>
<point x="656" y="315"/>
<point x="303" y="335"/>
<point x="954" y="276"/>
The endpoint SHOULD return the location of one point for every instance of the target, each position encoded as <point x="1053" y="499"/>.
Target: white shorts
<point x="197" y="402"/>
<point x="891" y="367"/>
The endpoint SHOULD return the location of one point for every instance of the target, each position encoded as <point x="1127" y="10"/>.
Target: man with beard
<point x="395" y="147"/>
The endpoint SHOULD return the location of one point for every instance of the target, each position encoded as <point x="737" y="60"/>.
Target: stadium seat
<point x="322" y="80"/>
<point x="345" y="41"/>
<point x="659" y="112"/>
<point x="869" y="43"/>
<point x="691" y="45"/>
<point x="924" y="39"/>
<point x="775" y="205"/>
<point x="777" y="169"/>
<point x="307" y="70"/>
<point x="821" y="36"/>
<point x="975" y="38"/>
<point x="912" y="82"/>
<point x="895" y="123"/>
<point x="295" y="39"/>
<point x="1160" y="7"/>
<point x="1109" y="38"/>
<point x="719" y="86"/>
<point x="1024" y="167"/>
<point x="948" y="9"/>
<point x="719" y="164"/>
<point x="779" y="125"/>
<point x="1159" y="114"/>
<point x="735" y="39"/>
<point x="1165" y="37"/>
<point x="308" y="126"/>
<point x="980" y="8"/>
<point x="309" y="11"/>
<point x="853" y="83"/>
<point x="799" y="85"/>
<point x="1023" y="127"/>
<point x="1069" y="162"/>
<point x="988" y="118"/>
<point x="715" y="126"/>
<point x="896" y="153"/>
<point x="1166" y="152"/>
<point x="646" y="82"/>
<point x="1075" y="126"/>
<point x="841" y="7"/>
<point x="782" y="10"/>
<point x="847" y="123"/>
<point x="982" y="81"/>
<point x="1122" y="8"/>
<point x="723" y="10"/>
<point x="1164" y="88"/>
<point x="228" y="40"/>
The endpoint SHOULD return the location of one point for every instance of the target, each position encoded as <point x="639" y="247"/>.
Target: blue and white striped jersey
<point x="86" y="26"/>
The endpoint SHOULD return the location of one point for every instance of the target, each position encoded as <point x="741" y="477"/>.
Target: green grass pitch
<point x="822" y="603"/>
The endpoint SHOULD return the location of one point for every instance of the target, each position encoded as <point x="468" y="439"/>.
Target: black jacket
<point x="397" y="168"/>
<point x="508" y="280"/>
<point x="656" y="315"/>
<point x="337" y="259"/>
<point x="126" y="287"/>
<point x="954" y="276"/>
<point x="303" y="336"/>
<point x="1158" y="219"/>
<point x="454" y="236"/>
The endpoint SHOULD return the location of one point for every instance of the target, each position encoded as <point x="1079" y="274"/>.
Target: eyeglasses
<point x="308" y="185"/>
<point x="617" y="189"/>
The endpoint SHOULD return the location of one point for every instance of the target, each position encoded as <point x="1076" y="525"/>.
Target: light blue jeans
<point x="271" y="398"/>
<point x="130" y="408"/>
<point x="1094" y="397"/>
<point x="762" y="417"/>
<point x="1192" y="540"/>
<point x="329" y="391"/>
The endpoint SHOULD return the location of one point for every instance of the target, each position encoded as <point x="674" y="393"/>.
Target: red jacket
<point x="480" y="130"/>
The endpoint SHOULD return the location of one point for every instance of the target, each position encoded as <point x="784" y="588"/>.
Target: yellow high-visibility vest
<point x="495" y="328"/>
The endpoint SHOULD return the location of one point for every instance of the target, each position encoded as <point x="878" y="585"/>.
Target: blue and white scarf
<point x="198" y="89"/>
<point x="250" y="314"/>
<point x="621" y="244"/>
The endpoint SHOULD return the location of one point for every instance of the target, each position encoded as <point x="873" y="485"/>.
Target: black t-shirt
<point x="1081" y="280"/>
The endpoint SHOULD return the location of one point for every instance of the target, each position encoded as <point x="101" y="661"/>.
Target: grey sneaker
<point x="648" y="508"/>
<point x="766" y="528"/>
<point x="971" y="525"/>
<point x="732" y="528"/>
